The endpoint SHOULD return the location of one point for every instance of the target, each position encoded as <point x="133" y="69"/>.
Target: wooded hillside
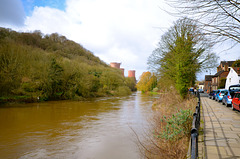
<point x="34" y="66"/>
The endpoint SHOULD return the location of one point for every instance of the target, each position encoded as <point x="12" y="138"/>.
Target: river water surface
<point x="97" y="129"/>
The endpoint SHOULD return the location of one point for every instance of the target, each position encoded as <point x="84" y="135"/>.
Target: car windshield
<point x="234" y="88"/>
<point x="223" y="91"/>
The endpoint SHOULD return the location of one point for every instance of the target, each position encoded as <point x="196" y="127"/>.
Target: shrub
<point x="176" y="126"/>
<point x="155" y="89"/>
<point x="123" y="91"/>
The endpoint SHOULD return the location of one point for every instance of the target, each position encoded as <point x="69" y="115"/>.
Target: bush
<point x="155" y="89"/>
<point x="123" y="91"/>
<point x="177" y="126"/>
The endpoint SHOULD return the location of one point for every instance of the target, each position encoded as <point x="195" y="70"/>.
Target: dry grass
<point x="155" y="147"/>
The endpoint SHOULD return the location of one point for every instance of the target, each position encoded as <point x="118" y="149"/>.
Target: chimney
<point x="226" y="67"/>
<point x="218" y="69"/>
<point x="238" y="71"/>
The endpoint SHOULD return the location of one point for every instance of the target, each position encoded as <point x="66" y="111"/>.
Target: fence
<point x="195" y="129"/>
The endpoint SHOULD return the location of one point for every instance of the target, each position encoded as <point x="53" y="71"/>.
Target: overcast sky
<point x="125" y="31"/>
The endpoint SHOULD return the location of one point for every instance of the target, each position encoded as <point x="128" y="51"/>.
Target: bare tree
<point x="218" y="18"/>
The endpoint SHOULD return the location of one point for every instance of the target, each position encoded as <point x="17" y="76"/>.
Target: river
<point x="96" y="129"/>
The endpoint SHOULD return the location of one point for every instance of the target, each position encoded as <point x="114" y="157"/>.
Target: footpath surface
<point x="221" y="131"/>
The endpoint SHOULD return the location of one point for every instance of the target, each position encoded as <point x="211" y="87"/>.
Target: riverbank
<point x="171" y="124"/>
<point x="18" y="99"/>
<point x="36" y="99"/>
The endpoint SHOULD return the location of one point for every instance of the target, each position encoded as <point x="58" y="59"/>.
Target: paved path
<point x="221" y="138"/>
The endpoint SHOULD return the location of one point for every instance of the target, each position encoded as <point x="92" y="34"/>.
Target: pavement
<point x="220" y="134"/>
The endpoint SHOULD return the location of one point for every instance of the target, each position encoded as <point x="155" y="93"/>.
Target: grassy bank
<point x="41" y="67"/>
<point x="170" y="125"/>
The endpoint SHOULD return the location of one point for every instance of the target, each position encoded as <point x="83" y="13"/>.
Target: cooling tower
<point x="122" y="69"/>
<point x="131" y="73"/>
<point x="115" y="65"/>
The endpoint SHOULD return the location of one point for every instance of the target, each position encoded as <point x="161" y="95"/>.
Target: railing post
<point x="194" y="143"/>
<point x="194" y="130"/>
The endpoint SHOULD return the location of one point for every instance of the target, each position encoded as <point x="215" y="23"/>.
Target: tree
<point x="131" y="83"/>
<point x="147" y="82"/>
<point x="220" y="19"/>
<point x="10" y="67"/>
<point x="55" y="79"/>
<point x="236" y="63"/>
<point x="111" y="79"/>
<point x="182" y="52"/>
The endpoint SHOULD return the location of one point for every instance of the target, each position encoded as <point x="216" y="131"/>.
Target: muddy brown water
<point x="96" y="129"/>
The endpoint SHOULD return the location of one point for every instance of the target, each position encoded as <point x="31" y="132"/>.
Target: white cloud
<point x="48" y="20"/>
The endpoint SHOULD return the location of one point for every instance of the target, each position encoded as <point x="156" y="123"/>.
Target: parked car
<point x="219" y="94"/>
<point x="212" y="94"/>
<point x="236" y="101"/>
<point x="234" y="88"/>
<point x="200" y="91"/>
<point x="227" y="99"/>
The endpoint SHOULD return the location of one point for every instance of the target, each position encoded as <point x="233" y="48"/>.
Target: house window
<point x="229" y="79"/>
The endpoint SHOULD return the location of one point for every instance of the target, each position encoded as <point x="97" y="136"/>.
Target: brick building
<point x="219" y="79"/>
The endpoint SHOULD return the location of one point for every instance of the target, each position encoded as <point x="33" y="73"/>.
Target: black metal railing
<point x="195" y="129"/>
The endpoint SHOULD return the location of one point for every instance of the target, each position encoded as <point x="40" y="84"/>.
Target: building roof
<point x="237" y="69"/>
<point x="208" y="77"/>
<point x="229" y="63"/>
<point x="218" y="73"/>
